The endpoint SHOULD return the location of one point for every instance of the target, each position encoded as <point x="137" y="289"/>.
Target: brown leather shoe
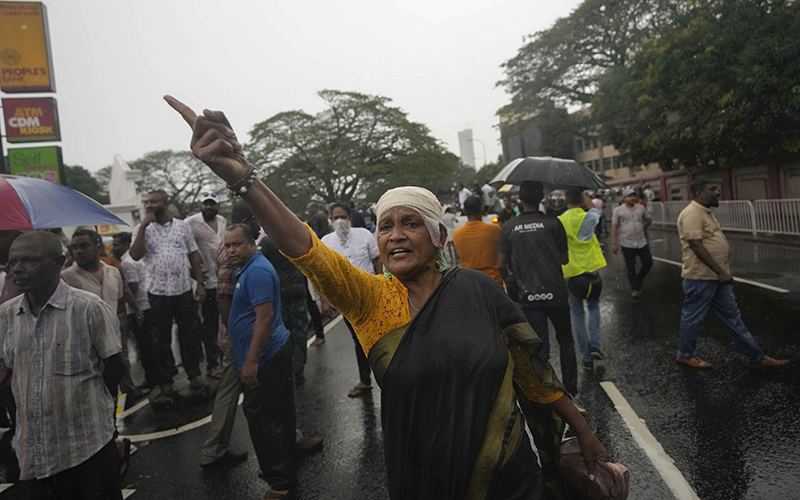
<point x="767" y="362"/>
<point x="694" y="362"/>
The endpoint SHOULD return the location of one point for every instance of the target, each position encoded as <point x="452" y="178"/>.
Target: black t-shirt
<point x="293" y="282"/>
<point x="534" y="243"/>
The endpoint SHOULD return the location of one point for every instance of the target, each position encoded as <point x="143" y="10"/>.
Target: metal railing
<point x="759" y="216"/>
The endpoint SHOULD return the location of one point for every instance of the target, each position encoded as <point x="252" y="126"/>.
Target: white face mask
<point x="342" y="229"/>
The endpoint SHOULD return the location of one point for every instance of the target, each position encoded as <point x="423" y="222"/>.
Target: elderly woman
<point x="454" y="356"/>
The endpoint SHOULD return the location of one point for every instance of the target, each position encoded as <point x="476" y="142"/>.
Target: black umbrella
<point x="555" y="172"/>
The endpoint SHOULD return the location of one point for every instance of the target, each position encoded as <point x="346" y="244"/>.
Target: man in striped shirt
<point x="64" y="346"/>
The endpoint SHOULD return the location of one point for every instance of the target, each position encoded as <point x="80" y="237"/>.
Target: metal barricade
<point x="777" y="216"/>
<point x="656" y="209"/>
<point x="759" y="216"/>
<point x="737" y="215"/>
<point x="672" y="209"/>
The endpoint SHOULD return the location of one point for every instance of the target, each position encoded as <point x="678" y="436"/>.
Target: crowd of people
<point x="450" y="318"/>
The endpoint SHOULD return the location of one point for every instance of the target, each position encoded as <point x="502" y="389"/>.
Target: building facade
<point x="466" y="147"/>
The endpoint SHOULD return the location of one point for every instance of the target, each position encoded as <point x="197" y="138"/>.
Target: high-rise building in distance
<point x="466" y="147"/>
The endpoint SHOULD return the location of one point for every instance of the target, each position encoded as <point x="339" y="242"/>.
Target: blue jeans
<point x="698" y="295"/>
<point x="585" y="340"/>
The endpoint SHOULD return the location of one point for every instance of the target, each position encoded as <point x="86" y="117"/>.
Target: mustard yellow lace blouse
<point x="376" y="305"/>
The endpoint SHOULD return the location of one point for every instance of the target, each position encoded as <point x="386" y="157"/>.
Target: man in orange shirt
<point x="476" y="241"/>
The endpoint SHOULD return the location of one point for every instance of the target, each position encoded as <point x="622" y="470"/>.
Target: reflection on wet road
<point x="732" y="434"/>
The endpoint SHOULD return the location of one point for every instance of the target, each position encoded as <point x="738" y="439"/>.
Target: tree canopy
<point x="80" y="179"/>
<point x="561" y="65"/>
<point x="722" y="87"/>
<point x="358" y="146"/>
<point x="182" y="176"/>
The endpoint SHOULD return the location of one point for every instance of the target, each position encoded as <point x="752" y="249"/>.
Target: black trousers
<point x="562" y="324"/>
<point x="9" y="403"/>
<point x="184" y="309"/>
<point x="364" y="373"/>
<point x="210" y="329"/>
<point x="95" y="479"/>
<point x="148" y="351"/>
<point x="637" y="279"/>
<point x="269" y="409"/>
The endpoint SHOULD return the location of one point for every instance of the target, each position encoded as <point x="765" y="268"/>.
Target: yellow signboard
<point x="25" y="63"/>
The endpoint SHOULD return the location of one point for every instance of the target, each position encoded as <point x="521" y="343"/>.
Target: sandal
<point x="125" y="458"/>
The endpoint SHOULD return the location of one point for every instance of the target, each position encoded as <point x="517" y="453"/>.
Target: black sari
<point x="452" y="426"/>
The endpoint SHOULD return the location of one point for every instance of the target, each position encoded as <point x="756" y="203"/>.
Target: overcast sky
<point x="438" y="60"/>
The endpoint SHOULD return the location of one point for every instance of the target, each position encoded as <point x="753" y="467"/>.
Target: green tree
<point x="80" y="179"/>
<point x="561" y="65"/>
<point x="717" y="90"/>
<point x="182" y="176"/>
<point x="103" y="176"/>
<point x="358" y="146"/>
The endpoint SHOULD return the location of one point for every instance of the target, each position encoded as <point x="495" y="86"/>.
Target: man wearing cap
<point x="629" y="224"/>
<point x="208" y="228"/>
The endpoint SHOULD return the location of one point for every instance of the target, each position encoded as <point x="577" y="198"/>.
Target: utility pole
<point x="484" y="150"/>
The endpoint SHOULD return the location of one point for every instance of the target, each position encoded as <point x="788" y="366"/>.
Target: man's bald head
<point x="35" y="261"/>
<point x="47" y="242"/>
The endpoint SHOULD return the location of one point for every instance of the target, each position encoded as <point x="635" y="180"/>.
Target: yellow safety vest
<point x="584" y="256"/>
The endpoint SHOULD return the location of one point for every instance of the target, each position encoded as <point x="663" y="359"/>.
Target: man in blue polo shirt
<point x="264" y="356"/>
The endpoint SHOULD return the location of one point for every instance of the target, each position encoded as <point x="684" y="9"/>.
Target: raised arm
<point x="215" y="144"/>
<point x="138" y="246"/>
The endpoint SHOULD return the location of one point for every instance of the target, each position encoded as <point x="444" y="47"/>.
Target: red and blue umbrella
<point x="27" y="203"/>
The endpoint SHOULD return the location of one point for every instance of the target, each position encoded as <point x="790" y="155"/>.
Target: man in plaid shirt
<point x="65" y="348"/>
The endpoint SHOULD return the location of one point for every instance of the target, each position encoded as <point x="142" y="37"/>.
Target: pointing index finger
<point x="185" y="111"/>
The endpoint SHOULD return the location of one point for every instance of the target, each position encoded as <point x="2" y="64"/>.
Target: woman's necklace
<point x="412" y="304"/>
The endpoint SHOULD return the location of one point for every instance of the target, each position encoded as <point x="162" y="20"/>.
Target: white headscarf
<point x="426" y="204"/>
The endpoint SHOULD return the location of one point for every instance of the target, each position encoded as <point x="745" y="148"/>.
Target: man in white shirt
<point x="489" y="198"/>
<point x="209" y="229"/>
<point x="168" y="249"/>
<point x="360" y="248"/>
<point x="133" y="273"/>
<point x="463" y="194"/>
<point x="629" y="223"/>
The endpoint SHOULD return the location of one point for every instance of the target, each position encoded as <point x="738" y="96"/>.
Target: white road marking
<point x="127" y="493"/>
<point x="655" y="452"/>
<point x="740" y="280"/>
<point x="198" y="423"/>
<point x="5" y="486"/>
<point x="182" y="381"/>
<point x="327" y="328"/>
<point x="138" y="406"/>
<point x="135" y="438"/>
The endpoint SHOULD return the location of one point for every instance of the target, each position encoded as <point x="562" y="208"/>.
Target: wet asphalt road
<point x="733" y="434"/>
